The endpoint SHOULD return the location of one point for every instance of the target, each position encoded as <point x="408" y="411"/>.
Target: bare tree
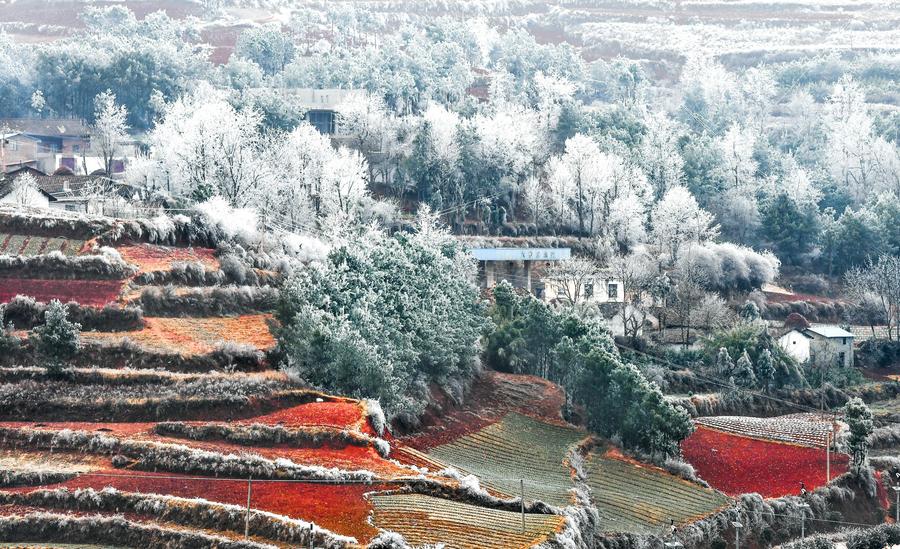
<point x="878" y="284"/>
<point x="635" y="272"/>
<point x="110" y="128"/>
<point x="572" y="277"/>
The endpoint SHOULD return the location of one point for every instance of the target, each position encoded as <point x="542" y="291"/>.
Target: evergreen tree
<point x="8" y="341"/>
<point x="859" y="419"/>
<point x="750" y="312"/>
<point x="724" y="364"/>
<point x="765" y="369"/>
<point x="57" y="339"/>
<point x="791" y="231"/>
<point x="743" y="371"/>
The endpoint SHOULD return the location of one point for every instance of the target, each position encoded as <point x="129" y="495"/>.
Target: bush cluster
<point x="55" y="265"/>
<point x="26" y="313"/>
<point x="214" y="301"/>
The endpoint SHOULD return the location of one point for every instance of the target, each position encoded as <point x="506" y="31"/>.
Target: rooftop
<point x="829" y="331"/>
<point x="47" y="127"/>
<point x="521" y="254"/>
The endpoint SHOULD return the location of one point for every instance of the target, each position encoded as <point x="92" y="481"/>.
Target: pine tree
<point x="743" y="371"/>
<point x="750" y="312"/>
<point x="57" y="339"/>
<point x="724" y="364"/>
<point x="859" y="419"/>
<point x="765" y="369"/>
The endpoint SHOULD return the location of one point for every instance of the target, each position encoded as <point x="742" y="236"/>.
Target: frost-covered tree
<point x="724" y="364"/>
<point x="384" y="316"/>
<point x="765" y="369"/>
<point x="743" y="371"/>
<point x="659" y="153"/>
<point x="266" y="46"/>
<point x="677" y="219"/>
<point x="110" y="129"/>
<point x="572" y="277"/>
<point x="859" y="420"/>
<point x="204" y="147"/>
<point x="56" y="340"/>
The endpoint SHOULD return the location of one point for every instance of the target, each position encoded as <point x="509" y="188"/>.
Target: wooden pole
<point x="247" y="521"/>
<point x="828" y="457"/>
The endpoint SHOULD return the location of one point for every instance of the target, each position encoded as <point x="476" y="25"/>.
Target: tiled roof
<point x="47" y="127"/>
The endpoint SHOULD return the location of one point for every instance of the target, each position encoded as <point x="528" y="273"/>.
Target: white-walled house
<point x="820" y="344"/>
<point x="24" y="196"/>
<point x="597" y="289"/>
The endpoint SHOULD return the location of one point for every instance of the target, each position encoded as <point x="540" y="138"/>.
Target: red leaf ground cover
<point x="149" y="257"/>
<point x="328" y="414"/>
<point x="95" y="293"/>
<point x="341" y="508"/>
<point x="738" y="465"/>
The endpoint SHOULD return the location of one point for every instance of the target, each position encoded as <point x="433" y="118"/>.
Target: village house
<point x="321" y="106"/>
<point x="521" y="267"/>
<point x="23" y="195"/>
<point x="819" y="345"/>
<point x="75" y="193"/>
<point x="48" y="144"/>
<point x="599" y="288"/>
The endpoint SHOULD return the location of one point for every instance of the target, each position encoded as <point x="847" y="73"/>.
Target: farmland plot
<point x="150" y="257"/>
<point x="518" y="447"/>
<point x="94" y="293"/>
<point x="194" y="336"/>
<point x="803" y="429"/>
<point x="18" y="244"/>
<point x="642" y="499"/>
<point x="737" y="465"/>
<point x="429" y="520"/>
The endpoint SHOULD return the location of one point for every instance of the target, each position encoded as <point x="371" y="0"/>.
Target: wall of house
<point x="598" y="291"/>
<point x="825" y="351"/>
<point x="796" y="345"/>
<point x="20" y="151"/>
<point x="32" y="199"/>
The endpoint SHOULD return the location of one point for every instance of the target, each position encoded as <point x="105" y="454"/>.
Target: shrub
<point x="216" y="301"/>
<point x="9" y="343"/>
<point x="26" y="313"/>
<point x="58" y="266"/>
<point x="57" y="339"/>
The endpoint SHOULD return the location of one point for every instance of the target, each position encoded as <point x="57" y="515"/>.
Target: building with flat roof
<point x="521" y="267"/>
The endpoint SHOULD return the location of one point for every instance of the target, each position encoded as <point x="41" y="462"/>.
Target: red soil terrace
<point x="95" y="293"/>
<point x="738" y="465"/>
<point x="149" y="257"/>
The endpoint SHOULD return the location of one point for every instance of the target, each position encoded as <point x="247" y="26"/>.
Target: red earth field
<point x="94" y="293"/>
<point x="149" y="257"/>
<point x="340" y="508"/>
<point x="190" y="336"/>
<point x="737" y="465"/>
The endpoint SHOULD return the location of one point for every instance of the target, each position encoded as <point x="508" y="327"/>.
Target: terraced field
<point x="19" y="244"/>
<point x="643" y="499"/>
<point x="803" y="429"/>
<point x="150" y="257"/>
<point x="429" y="520"/>
<point x="517" y="447"/>
<point x="94" y="293"/>
<point x="190" y="336"/>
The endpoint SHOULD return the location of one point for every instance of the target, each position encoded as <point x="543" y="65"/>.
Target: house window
<point x="612" y="291"/>
<point x="843" y="341"/>
<point x="589" y="290"/>
<point x="841" y="357"/>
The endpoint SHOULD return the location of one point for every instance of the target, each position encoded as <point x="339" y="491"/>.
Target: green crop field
<point x="18" y="244"/>
<point x="427" y="520"/>
<point x="517" y="447"/>
<point x="643" y="499"/>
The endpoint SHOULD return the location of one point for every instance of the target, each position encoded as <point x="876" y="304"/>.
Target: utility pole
<point x="247" y="521"/>
<point x="522" y="491"/>
<point x="803" y="507"/>
<point x="896" y="490"/>
<point x="737" y="534"/>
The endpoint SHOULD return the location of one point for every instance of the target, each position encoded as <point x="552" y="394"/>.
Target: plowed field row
<point x="19" y="244"/>
<point x="518" y="447"/>
<point x="427" y="520"/>
<point x="642" y="499"/>
<point x="805" y="429"/>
